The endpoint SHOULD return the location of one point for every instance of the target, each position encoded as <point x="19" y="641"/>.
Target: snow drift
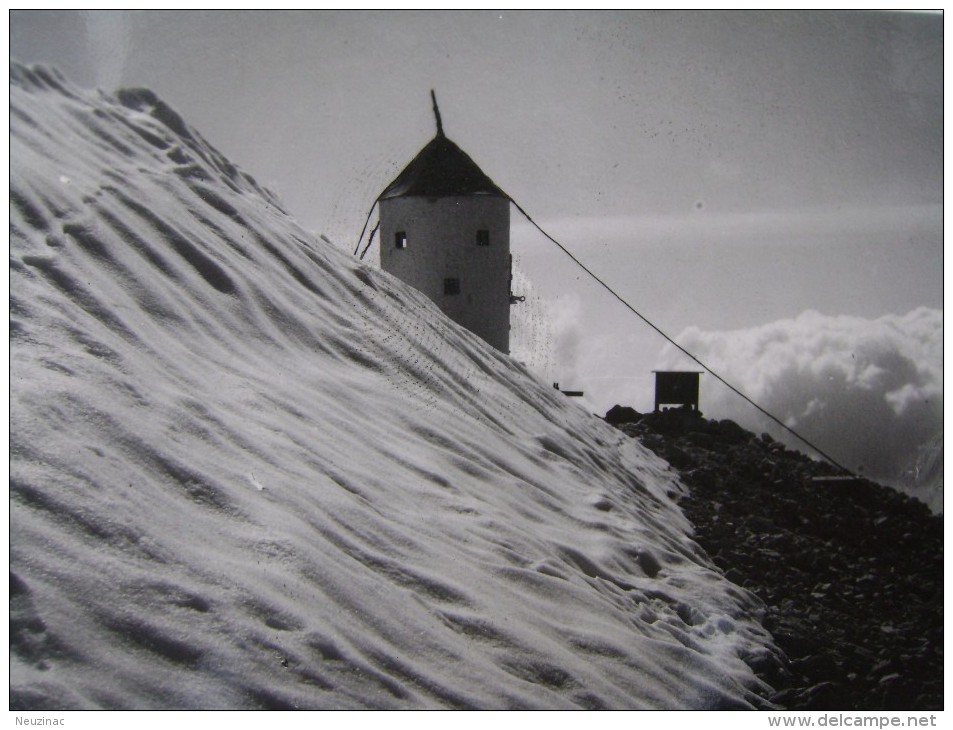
<point x="248" y="471"/>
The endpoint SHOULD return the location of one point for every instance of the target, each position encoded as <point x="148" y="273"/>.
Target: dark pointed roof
<point x="441" y="169"/>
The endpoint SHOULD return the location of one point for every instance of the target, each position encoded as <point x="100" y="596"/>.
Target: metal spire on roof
<point x="436" y="113"/>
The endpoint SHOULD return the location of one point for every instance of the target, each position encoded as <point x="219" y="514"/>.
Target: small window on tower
<point x="483" y="238"/>
<point x="451" y="287"/>
<point x="400" y="239"/>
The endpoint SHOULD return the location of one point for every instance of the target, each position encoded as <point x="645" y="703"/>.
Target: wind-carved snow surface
<point x="248" y="471"/>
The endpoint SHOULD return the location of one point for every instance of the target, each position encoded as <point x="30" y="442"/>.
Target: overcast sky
<point x="588" y="114"/>
<point x="722" y="170"/>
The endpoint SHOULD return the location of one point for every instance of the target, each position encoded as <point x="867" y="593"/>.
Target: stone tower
<point x="445" y="230"/>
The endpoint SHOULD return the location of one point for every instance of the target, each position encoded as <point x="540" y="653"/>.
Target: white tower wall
<point x="441" y="245"/>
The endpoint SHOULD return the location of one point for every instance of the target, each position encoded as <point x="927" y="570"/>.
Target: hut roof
<point x="441" y="169"/>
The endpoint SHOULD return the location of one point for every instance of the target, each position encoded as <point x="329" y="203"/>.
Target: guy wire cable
<point x="707" y="369"/>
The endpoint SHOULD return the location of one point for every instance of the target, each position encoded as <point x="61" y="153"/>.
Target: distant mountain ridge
<point x="923" y="479"/>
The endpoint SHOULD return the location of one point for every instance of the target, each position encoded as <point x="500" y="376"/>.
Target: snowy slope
<point x="248" y="471"/>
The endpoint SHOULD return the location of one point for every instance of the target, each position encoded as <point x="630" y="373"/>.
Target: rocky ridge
<point x="851" y="572"/>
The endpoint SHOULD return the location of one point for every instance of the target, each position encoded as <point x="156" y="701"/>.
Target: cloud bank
<point x="867" y="391"/>
<point x="547" y="335"/>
